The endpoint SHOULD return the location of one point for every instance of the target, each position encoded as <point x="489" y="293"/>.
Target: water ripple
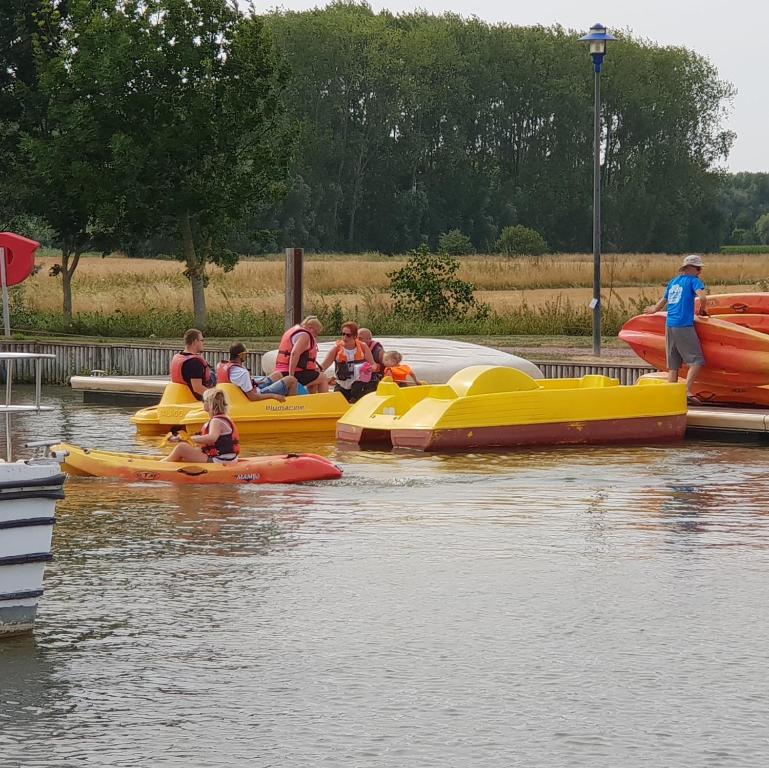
<point x="559" y="607"/>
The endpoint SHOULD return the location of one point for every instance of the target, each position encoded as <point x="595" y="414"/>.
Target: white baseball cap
<point x="693" y="260"/>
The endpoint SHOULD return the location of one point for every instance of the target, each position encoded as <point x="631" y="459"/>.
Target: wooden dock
<point x="722" y="421"/>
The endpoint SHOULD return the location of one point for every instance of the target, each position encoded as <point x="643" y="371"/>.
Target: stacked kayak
<point x="302" y="413"/>
<point x="490" y="406"/>
<point x="286" y="468"/>
<point x="735" y="343"/>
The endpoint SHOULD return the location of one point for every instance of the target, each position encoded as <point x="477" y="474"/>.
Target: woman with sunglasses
<point x="350" y="356"/>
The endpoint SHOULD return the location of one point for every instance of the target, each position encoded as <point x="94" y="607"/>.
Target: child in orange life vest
<point x="398" y="371"/>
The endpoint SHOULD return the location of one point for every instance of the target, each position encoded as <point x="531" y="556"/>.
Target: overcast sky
<point x="733" y="35"/>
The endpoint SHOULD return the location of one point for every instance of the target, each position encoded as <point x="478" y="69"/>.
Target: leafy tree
<point x="414" y="124"/>
<point x="762" y="228"/>
<point x="428" y="286"/>
<point x="188" y="90"/>
<point x="520" y="240"/>
<point x="455" y="243"/>
<point x="61" y="151"/>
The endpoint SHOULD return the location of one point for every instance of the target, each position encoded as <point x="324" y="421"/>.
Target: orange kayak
<point x="287" y="468"/>
<point x="724" y="393"/>
<point x="736" y="303"/>
<point x="733" y="353"/>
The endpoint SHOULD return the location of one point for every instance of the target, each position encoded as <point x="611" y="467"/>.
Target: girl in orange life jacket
<point x="218" y="440"/>
<point x="348" y="356"/>
<point x="399" y="372"/>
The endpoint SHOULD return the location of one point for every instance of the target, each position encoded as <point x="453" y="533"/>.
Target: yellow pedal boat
<point x="302" y="413"/>
<point x="491" y="406"/>
<point x="134" y="467"/>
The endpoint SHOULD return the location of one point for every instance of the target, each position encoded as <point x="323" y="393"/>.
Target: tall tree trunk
<point x="67" y="271"/>
<point x="196" y="271"/>
<point x="357" y="183"/>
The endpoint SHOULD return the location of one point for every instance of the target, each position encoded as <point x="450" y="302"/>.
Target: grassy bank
<point x="119" y="297"/>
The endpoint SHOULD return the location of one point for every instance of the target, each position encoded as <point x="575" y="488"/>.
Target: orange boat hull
<point x="737" y="303"/>
<point x="736" y="354"/>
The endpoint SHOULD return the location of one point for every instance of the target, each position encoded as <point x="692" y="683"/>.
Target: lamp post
<point x="598" y="39"/>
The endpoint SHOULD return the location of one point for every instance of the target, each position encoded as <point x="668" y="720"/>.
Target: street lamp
<point x="598" y="39"/>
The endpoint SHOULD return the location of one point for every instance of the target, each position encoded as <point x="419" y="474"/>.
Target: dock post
<point x="294" y="286"/>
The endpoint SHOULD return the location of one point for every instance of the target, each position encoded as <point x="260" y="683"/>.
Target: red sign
<point x="19" y="256"/>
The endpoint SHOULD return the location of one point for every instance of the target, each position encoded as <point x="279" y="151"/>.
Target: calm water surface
<point x="569" y="607"/>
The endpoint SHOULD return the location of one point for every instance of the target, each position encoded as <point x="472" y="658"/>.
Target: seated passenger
<point x="353" y="364"/>
<point x="190" y="367"/>
<point x="234" y="371"/>
<point x="398" y="371"/>
<point x="218" y="441"/>
<point x="298" y="354"/>
<point x="377" y="352"/>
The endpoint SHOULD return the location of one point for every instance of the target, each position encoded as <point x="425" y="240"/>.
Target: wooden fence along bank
<point x="113" y="359"/>
<point x="136" y="360"/>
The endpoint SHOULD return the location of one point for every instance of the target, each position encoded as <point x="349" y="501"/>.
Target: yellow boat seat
<point x="594" y="380"/>
<point x="490" y="379"/>
<point x="177" y="394"/>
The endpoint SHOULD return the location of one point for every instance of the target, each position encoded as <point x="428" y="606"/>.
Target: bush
<point x="762" y="228"/>
<point x="427" y="286"/>
<point x="521" y="241"/>
<point x="455" y="243"/>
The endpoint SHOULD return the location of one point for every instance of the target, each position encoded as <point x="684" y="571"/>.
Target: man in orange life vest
<point x="235" y="372"/>
<point x="190" y="367"/>
<point x="298" y="353"/>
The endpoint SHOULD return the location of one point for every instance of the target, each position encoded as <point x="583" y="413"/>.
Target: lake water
<point x="558" y="607"/>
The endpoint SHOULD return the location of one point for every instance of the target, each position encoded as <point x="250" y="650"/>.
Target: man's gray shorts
<point x="683" y="346"/>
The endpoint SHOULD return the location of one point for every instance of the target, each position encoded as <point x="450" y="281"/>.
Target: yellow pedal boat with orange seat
<point x="301" y="413"/>
<point x="134" y="467"/>
<point x="491" y="406"/>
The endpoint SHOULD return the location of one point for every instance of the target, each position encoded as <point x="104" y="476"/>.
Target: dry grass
<point x="142" y="285"/>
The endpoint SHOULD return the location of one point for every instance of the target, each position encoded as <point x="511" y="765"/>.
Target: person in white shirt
<point x="234" y="371"/>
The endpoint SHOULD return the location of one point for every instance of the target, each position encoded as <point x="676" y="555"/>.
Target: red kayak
<point x="736" y="303"/>
<point x="733" y="353"/>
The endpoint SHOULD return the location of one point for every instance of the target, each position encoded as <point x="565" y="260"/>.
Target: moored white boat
<point x="28" y="494"/>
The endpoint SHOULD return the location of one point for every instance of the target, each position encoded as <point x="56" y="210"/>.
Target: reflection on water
<point x="577" y="606"/>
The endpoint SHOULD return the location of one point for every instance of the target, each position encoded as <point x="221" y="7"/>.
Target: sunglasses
<point x="348" y="334"/>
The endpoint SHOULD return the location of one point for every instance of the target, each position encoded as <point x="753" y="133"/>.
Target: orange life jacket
<point x="307" y="360"/>
<point x="179" y="359"/>
<point x="399" y="372"/>
<point x="223" y="371"/>
<point x="225" y="444"/>
<point x="343" y="368"/>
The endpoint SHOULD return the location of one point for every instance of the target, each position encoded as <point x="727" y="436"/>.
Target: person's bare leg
<point x="186" y="452"/>
<point x="690" y="377"/>
<point x="321" y="383"/>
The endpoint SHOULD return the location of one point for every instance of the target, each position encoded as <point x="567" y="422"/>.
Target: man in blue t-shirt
<point x="683" y="344"/>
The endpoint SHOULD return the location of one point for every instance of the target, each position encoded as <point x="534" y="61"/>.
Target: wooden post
<point x="294" y="286"/>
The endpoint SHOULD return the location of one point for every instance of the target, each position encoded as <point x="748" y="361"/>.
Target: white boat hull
<point x="434" y="360"/>
<point x="28" y="495"/>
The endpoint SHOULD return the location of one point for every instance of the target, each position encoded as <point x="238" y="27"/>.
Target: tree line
<point x="196" y="128"/>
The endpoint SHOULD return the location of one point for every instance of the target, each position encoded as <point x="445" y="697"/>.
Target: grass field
<point x="359" y="283"/>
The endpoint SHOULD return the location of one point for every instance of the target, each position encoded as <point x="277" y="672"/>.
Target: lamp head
<point x="597" y="39"/>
